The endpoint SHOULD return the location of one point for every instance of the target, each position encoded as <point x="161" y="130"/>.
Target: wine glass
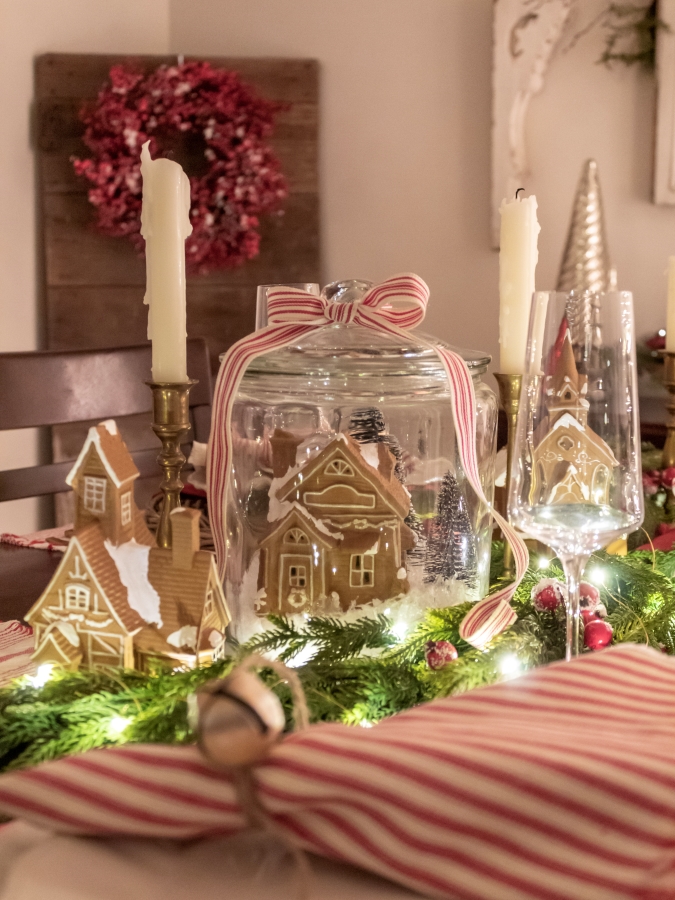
<point x="576" y="475"/>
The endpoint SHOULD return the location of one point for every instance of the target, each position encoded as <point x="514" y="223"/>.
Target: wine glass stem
<point x="573" y="567"/>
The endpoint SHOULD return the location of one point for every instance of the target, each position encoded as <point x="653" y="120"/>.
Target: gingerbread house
<point x="117" y="599"/>
<point x="339" y="537"/>
<point x="572" y="464"/>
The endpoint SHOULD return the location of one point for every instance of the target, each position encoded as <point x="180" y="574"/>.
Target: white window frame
<point x="361" y="564"/>
<point x="296" y="536"/>
<point x="77" y="596"/>
<point x="94" y="494"/>
<point x="208" y="604"/>
<point x="125" y="507"/>
<point x="339" y="467"/>
<point x="296" y="574"/>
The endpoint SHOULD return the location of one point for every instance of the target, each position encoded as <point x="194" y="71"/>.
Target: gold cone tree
<point x="585" y="264"/>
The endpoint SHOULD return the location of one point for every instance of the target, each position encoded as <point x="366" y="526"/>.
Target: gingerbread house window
<point x="296" y="536"/>
<point x="126" y="508"/>
<point x="208" y="605"/>
<point x="566" y="443"/>
<point x="77" y="597"/>
<point x="297" y="576"/>
<point x="94" y="494"/>
<point x="362" y="570"/>
<point x="339" y="467"/>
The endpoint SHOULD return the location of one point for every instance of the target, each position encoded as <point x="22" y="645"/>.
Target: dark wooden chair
<point x="57" y="387"/>
<point x="53" y="388"/>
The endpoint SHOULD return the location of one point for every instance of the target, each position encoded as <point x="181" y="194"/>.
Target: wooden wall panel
<point x="94" y="284"/>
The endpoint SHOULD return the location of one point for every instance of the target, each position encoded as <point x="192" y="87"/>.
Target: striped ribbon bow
<point x="393" y="307"/>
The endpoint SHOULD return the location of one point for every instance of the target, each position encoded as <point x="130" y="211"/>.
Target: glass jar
<point x="347" y="495"/>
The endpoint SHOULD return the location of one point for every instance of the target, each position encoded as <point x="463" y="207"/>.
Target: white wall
<point x="405" y="144"/>
<point x="589" y="110"/>
<point x="405" y="153"/>
<point x="28" y="28"/>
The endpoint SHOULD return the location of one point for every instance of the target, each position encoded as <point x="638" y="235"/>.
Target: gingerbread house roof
<point x="565" y="371"/>
<point x="304" y="519"/>
<point x="567" y="422"/>
<point x="382" y="477"/>
<point x="60" y="644"/>
<point x="93" y="543"/>
<point x="182" y="594"/>
<point x="112" y="451"/>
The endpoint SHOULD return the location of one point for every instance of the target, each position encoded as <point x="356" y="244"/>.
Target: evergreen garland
<point x="352" y="671"/>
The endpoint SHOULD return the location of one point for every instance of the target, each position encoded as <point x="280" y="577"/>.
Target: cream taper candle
<point x="670" y="315"/>
<point x="165" y="224"/>
<point x="517" y="263"/>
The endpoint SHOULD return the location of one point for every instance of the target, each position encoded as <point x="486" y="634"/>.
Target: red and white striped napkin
<point x="16" y="650"/>
<point x="558" y="785"/>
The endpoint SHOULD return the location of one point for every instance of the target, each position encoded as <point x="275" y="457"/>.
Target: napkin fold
<point x="558" y="784"/>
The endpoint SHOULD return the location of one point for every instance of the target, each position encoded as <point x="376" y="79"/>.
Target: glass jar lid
<point x="349" y="345"/>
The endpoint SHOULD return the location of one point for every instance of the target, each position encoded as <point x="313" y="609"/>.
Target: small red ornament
<point x="439" y="653"/>
<point x="588" y="616"/>
<point x="548" y="595"/>
<point x="597" y="634"/>
<point x="589" y="596"/>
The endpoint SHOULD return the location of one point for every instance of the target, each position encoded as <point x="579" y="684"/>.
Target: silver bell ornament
<point x="238" y="719"/>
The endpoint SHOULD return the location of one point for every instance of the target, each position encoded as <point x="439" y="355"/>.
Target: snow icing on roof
<point x="566" y="420"/>
<point x="117" y="457"/>
<point x="370" y="454"/>
<point x="186" y="636"/>
<point x="67" y="629"/>
<point x="132" y="560"/>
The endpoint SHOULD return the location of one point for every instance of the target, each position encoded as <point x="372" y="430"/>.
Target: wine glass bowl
<point x="576" y="474"/>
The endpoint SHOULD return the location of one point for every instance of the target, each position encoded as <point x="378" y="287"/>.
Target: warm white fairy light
<point x="509" y="666"/>
<point x="597" y="575"/>
<point x="44" y="673"/>
<point x="399" y="629"/>
<point x="117" y="725"/>
<point x="543" y="562"/>
<point x="303" y="656"/>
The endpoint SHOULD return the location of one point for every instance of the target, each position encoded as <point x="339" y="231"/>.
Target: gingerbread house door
<point x="295" y="582"/>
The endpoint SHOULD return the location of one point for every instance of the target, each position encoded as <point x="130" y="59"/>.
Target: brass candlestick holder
<point x="171" y="423"/>
<point x="509" y="396"/>
<point x="669" y="383"/>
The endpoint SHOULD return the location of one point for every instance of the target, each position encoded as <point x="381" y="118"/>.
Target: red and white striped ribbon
<point x="17" y="645"/>
<point x="534" y="789"/>
<point x="393" y="307"/>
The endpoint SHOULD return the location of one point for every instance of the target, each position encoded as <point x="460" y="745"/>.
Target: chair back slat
<point x="58" y="387"/>
<point x="55" y="387"/>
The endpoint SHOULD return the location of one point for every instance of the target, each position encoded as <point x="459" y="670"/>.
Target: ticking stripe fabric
<point x="392" y="307"/>
<point x="559" y="785"/>
<point x="16" y="650"/>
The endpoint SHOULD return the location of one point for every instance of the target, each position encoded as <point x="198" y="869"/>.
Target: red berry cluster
<point x="549" y="594"/>
<point x="658" y="479"/>
<point x="209" y="109"/>
<point x="439" y="653"/>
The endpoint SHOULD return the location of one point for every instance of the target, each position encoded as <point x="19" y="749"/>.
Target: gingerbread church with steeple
<point x="117" y="599"/>
<point x="572" y="464"/>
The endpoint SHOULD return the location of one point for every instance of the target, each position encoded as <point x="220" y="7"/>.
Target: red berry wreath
<point x="216" y="126"/>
